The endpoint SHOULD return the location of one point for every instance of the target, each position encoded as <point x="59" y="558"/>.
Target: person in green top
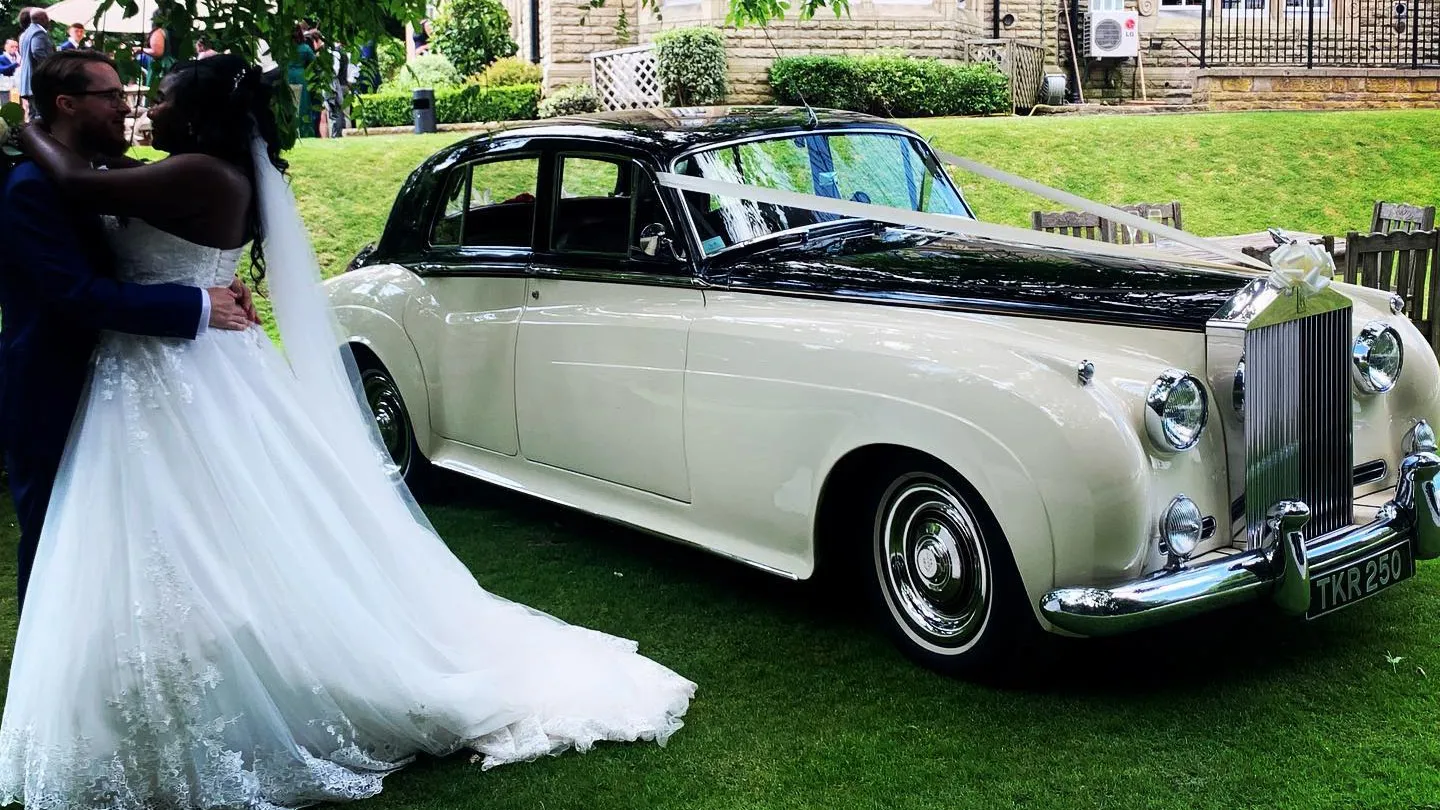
<point x="295" y="76"/>
<point x="158" y="56"/>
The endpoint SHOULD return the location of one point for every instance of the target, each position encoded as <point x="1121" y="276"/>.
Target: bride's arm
<point x="182" y="187"/>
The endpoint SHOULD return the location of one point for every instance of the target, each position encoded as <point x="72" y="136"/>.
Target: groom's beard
<point x="100" y="143"/>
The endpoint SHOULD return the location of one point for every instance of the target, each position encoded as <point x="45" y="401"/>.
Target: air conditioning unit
<point x="1112" y="34"/>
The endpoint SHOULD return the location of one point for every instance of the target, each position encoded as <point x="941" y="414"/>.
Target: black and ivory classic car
<point x="1004" y="436"/>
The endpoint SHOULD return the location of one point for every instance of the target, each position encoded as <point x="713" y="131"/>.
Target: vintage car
<point x="999" y="437"/>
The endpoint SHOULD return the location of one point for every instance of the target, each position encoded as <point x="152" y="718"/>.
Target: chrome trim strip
<point x="945" y="304"/>
<point x="545" y="270"/>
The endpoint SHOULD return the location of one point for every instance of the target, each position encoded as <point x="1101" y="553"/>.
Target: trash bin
<point x="422" y="104"/>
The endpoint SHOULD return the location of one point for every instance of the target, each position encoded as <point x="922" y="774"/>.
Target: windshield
<point x="883" y="169"/>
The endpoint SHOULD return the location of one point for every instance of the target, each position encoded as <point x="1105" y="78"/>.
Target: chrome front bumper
<point x="1282" y="568"/>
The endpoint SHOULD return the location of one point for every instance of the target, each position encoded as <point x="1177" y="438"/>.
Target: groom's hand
<point x="226" y="311"/>
<point x="242" y="293"/>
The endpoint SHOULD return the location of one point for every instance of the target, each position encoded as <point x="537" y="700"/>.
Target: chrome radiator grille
<point x="1297" y="421"/>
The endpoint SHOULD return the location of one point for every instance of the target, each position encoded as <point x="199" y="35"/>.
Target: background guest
<point x="35" y="47"/>
<point x="157" y="57"/>
<point x="10" y="59"/>
<point x="421" y="37"/>
<point x="203" y="49"/>
<point x="76" y="38"/>
<point x="295" y="71"/>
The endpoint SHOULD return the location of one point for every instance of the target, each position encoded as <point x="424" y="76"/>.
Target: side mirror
<point x="654" y="240"/>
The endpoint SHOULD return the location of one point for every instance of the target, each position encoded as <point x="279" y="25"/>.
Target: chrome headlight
<point x="1378" y="356"/>
<point x="1181" y="526"/>
<point x="1176" y="409"/>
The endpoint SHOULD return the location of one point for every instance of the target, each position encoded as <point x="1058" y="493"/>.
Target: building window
<point x="1263" y="6"/>
<point x="1181" y="8"/>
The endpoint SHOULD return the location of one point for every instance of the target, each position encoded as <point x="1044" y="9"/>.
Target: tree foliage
<point x="241" y="26"/>
<point x="473" y="33"/>
<point x="760" y="12"/>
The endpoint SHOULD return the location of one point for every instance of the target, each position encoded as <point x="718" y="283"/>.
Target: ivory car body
<point x="1002" y="436"/>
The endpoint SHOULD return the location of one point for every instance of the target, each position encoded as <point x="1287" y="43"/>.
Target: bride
<point x="235" y="602"/>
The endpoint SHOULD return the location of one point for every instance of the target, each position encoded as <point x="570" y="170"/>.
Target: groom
<point x="58" y="289"/>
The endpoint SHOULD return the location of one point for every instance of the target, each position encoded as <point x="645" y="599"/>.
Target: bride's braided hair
<point x="228" y="102"/>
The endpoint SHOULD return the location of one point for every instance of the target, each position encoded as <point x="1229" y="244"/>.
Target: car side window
<point x="592" y="214"/>
<point x="607" y="206"/>
<point x="490" y="204"/>
<point x="446" y="232"/>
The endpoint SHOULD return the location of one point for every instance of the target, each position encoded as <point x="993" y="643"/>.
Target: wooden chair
<point x="1093" y="226"/>
<point x="1390" y="217"/>
<point x="1070" y="223"/>
<point x="1263" y="253"/>
<point x="1405" y="263"/>
<point x="1164" y="213"/>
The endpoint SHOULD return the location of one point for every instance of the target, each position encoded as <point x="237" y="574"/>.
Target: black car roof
<point x="667" y="132"/>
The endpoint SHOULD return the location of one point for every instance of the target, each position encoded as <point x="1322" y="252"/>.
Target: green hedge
<point x="894" y="86"/>
<point x="469" y="104"/>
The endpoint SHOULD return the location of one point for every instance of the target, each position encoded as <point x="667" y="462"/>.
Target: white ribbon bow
<point x="1301" y="266"/>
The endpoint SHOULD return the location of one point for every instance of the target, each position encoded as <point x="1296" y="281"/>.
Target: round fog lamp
<point x="1377" y="357"/>
<point x="1181" y="526"/>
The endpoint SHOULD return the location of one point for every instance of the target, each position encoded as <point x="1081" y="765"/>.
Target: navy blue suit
<point x="57" y="292"/>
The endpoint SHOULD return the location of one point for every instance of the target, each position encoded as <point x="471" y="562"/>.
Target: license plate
<point x="1363" y="578"/>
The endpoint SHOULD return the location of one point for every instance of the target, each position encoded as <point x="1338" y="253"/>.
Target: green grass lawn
<point x="801" y="706"/>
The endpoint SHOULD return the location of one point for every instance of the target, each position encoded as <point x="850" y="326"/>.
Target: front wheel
<point x="943" y="580"/>
<point x="393" y="423"/>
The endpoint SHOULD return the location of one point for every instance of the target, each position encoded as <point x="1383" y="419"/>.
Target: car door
<point x="600" y="362"/>
<point x="465" y="323"/>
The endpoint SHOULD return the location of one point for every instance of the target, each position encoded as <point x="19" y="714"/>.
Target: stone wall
<point x="571" y="31"/>
<point x="1318" y="88"/>
<point x="932" y="29"/>
<point x="1169" y="42"/>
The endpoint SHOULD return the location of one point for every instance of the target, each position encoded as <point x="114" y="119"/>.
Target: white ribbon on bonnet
<point x="1301" y="266"/>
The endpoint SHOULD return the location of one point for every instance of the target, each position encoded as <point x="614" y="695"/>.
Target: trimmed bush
<point x="430" y="70"/>
<point x="691" y="66"/>
<point x="893" y="86"/>
<point x="574" y="99"/>
<point x="508" y="72"/>
<point x="473" y="33"/>
<point x="457" y="105"/>
<point x="833" y="82"/>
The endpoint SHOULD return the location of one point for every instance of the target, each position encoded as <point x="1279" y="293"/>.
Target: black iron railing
<point x="1320" y="33"/>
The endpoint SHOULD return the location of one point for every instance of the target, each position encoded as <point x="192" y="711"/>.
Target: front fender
<point x="368" y="305"/>
<point x="780" y="390"/>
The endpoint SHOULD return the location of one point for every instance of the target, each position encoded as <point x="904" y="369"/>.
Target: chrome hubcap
<point x="931" y="557"/>
<point x="385" y="404"/>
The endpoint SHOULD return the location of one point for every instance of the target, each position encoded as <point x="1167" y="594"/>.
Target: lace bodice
<point x="145" y="254"/>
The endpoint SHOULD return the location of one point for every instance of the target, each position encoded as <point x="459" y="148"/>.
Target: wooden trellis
<point x="626" y="79"/>
<point x="1021" y="62"/>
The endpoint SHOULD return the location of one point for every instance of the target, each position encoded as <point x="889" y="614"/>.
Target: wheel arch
<point x="378" y="341"/>
<point x="1026" y="533"/>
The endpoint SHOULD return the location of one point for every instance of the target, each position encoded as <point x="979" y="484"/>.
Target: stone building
<point x="1218" y="53"/>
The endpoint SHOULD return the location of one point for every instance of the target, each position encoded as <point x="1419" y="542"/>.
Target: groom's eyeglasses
<point x="115" y="97"/>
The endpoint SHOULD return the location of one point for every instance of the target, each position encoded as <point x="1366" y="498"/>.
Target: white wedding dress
<point x="235" y="604"/>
